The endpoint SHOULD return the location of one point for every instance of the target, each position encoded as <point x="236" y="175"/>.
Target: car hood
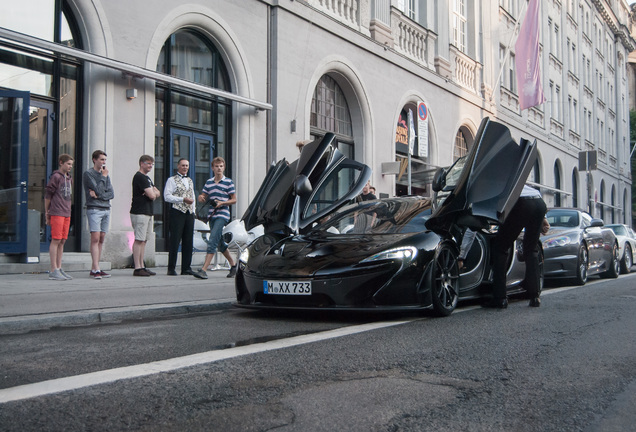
<point x="490" y="182"/>
<point x="295" y="195"/>
<point x="277" y="256"/>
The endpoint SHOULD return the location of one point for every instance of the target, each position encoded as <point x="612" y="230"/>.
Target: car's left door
<point x="490" y="181"/>
<point x="295" y="195"/>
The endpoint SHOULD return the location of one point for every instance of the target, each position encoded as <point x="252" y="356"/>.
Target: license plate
<point x="287" y="287"/>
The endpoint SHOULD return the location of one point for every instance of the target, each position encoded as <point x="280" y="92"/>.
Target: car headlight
<point x="244" y="256"/>
<point x="405" y="254"/>
<point x="556" y="242"/>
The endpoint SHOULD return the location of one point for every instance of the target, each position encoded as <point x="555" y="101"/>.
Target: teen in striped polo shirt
<point x="219" y="190"/>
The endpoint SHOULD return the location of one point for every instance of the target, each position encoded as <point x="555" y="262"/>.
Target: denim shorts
<point x="98" y="219"/>
<point x="216" y="236"/>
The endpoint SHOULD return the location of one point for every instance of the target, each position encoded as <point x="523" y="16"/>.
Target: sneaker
<point x="95" y="274"/>
<point x="150" y="272"/>
<point x="56" y="275"/>
<point x="66" y="275"/>
<point x="141" y="272"/>
<point x="200" y="274"/>
<point x="232" y="272"/>
<point x="104" y="274"/>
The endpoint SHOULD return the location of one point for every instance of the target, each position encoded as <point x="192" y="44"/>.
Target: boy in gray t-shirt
<point x="99" y="191"/>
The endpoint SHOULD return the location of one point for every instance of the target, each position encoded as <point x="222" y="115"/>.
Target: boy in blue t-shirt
<point x="219" y="190"/>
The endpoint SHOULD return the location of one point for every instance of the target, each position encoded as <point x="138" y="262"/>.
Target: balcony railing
<point x="465" y="70"/>
<point x="346" y="11"/>
<point x="410" y="38"/>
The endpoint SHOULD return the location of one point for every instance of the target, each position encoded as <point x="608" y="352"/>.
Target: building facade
<point x="249" y="79"/>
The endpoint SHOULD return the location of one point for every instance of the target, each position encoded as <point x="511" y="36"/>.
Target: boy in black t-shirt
<point x="144" y="193"/>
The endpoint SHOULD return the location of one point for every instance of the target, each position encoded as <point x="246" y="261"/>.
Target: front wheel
<point x="582" y="264"/>
<point x="626" y="261"/>
<point x="445" y="281"/>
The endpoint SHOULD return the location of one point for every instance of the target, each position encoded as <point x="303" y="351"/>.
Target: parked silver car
<point x="578" y="246"/>
<point x="626" y="245"/>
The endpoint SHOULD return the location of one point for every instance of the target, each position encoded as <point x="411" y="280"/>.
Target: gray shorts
<point x="98" y="219"/>
<point x="142" y="225"/>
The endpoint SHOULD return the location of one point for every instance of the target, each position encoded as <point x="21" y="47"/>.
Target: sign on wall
<point x="422" y="129"/>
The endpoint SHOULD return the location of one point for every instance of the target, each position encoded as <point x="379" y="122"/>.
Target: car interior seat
<point x="573" y="221"/>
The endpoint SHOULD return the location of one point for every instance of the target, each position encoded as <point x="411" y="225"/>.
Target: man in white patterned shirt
<point x="179" y="191"/>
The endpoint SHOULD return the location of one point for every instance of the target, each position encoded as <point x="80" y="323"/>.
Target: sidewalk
<point x="33" y="302"/>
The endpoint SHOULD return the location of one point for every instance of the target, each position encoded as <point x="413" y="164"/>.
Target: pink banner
<point x="527" y="59"/>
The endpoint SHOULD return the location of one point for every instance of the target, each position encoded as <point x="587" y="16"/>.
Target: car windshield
<point x="619" y="230"/>
<point x="390" y="216"/>
<point x="563" y="218"/>
<point x="454" y="172"/>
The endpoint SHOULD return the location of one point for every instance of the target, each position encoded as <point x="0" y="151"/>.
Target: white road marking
<point x="111" y="375"/>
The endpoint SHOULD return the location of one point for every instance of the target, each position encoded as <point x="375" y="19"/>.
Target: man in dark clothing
<point x="179" y="192"/>
<point x="366" y="194"/>
<point x="144" y="193"/>
<point x="529" y="213"/>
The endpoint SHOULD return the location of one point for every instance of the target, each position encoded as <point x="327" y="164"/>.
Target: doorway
<point x="14" y="148"/>
<point x="41" y="116"/>
<point x="198" y="149"/>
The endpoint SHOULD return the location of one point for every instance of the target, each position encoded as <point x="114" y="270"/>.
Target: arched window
<point x="557" y="184"/>
<point x="535" y="174"/>
<point x="188" y="124"/>
<point x="55" y="87"/>
<point x="330" y="113"/>
<point x="613" y="203"/>
<point x="418" y="175"/>
<point x="461" y="147"/>
<point x="601" y="207"/>
<point x="575" y="188"/>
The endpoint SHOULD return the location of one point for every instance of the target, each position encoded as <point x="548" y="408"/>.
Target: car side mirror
<point x="302" y="186"/>
<point x="597" y="223"/>
<point x="439" y="180"/>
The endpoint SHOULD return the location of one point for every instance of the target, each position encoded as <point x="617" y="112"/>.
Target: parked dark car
<point x="578" y="246"/>
<point x="319" y="251"/>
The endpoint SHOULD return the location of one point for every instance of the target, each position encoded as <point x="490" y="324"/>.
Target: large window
<point x="330" y="113"/>
<point x="189" y="124"/>
<point x="459" y="24"/>
<point x="408" y="7"/>
<point x="54" y="84"/>
<point x="509" y="75"/>
<point x="575" y="188"/>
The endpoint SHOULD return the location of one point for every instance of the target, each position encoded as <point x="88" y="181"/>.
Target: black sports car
<point x="321" y="251"/>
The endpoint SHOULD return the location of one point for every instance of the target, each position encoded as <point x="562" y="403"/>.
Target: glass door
<point x="198" y="149"/>
<point x="14" y="148"/>
<point x="40" y="165"/>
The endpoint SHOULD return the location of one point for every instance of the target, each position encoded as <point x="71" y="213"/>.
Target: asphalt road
<point x="567" y="366"/>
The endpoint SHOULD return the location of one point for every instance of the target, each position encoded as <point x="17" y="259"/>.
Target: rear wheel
<point x="614" y="266"/>
<point x="581" y="266"/>
<point x="445" y="281"/>
<point x="626" y="261"/>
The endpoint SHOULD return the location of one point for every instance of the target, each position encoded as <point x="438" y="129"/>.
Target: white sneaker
<point x="56" y="275"/>
<point x="66" y="275"/>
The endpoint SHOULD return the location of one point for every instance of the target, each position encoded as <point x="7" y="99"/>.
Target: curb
<point x="28" y="323"/>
